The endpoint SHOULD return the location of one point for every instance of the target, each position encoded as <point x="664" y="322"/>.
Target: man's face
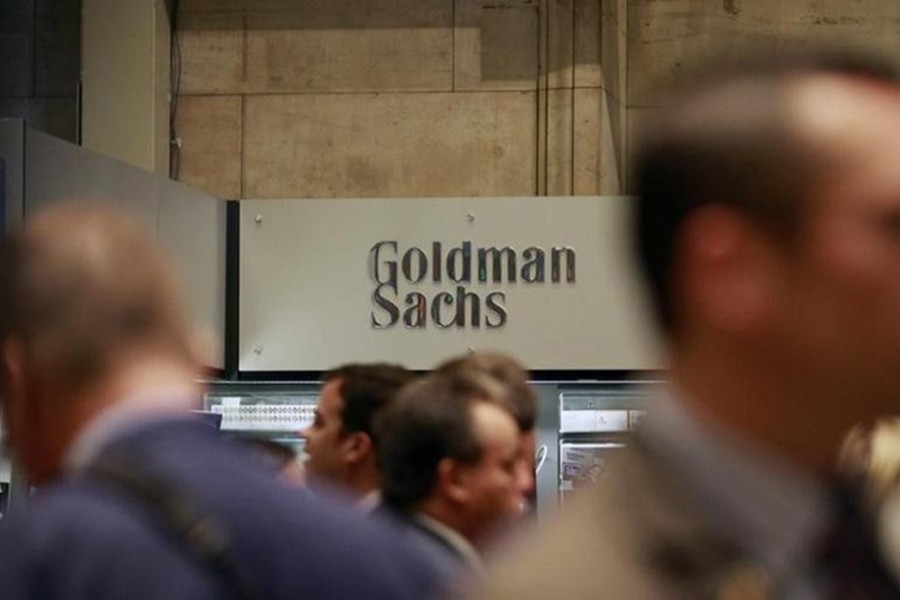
<point x="494" y="483"/>
<point x="325" y="439"/>
<point x="527" y="447"/>
<point x="33" y="431"/>
<point x="14" y="420"/>
<point x="844" y="292"/>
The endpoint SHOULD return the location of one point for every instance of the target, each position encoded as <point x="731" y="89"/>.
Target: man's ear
<point x="20" y="412"/>
<point x="358" y="447"/>
<point x="726" y="272"/>
<point x="451" y="481"/>
<point x="12" y="363"/>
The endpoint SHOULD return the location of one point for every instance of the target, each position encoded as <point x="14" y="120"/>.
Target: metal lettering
<point x="422" y="262"/>
<point x="461" y="297"/>
<point x="496" y="256"/>
<point x="445" y="298"/>
<point x="533" y="269"/>
<point x="392" y="309"/>
<point x="495" y="303"/>
<point x="555" y="259"/>
<point x="436" y="262"/>
<point x="416" y="314"/>
<point x="375" y="271"/>
<point x="460" y="256"/>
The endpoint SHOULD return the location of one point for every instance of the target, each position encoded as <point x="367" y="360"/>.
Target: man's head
<point x="340" y="442"/>
<point x="449" y="449"/>
<point x="85" y="296"/>
<point x="768" y="226"/>
<point x="519" y="397"/>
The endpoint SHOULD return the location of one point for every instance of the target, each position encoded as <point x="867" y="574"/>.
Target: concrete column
<point x="125" y="75"/>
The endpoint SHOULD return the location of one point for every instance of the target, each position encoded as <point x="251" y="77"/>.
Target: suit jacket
<point x="445" y="541"/>
<point x="634" y="537"/>
<point x="83" y="538"/>
<point x="456" y="560"/>
<point x="641" y="534"/>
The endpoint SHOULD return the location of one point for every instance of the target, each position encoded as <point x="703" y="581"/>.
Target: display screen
<point x="584" y="465"/>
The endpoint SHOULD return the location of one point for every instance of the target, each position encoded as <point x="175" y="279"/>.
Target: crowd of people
<point x="447" y="458"/>
<point x="767" y="227"/>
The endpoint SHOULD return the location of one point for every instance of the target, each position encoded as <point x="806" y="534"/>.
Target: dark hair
<point x="726" y="137"/>
<point x="429" y="421"/>
<point x="520" y="399"/>
<point x="365" y="390"/>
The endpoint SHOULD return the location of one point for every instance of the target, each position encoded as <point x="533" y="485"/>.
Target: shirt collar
<point x="370" y="502"/>
<point x="767" y="508"/>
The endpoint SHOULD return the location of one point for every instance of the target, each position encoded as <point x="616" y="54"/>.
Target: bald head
<point x="80" y="286"/>
<point x="744" y="137"/>
<point x="841" y="116"/>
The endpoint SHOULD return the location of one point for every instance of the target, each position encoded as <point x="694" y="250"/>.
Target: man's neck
<point x="761" y="403"/>
<point x="362" y="481"/>
<point x="150" y="388"/>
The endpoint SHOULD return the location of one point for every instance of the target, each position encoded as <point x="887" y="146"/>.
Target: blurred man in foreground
<point x="768" y="227"/>
<point x="449" y="457"/>
<point x="137" y="499"/>
<point x="340" y="443"/>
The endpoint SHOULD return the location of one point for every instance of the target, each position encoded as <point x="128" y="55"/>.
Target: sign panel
<point x="416" y="280"/>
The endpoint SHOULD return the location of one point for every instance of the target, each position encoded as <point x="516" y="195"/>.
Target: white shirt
<point x="368" y="503"/>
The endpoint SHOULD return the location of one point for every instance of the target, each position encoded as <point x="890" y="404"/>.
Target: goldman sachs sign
<point x="461" y="286"/>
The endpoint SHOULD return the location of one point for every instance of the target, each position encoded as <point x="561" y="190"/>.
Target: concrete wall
<point x="343" y="98"/>
<point x="125" y="109"/>
<point x="665" y="37"/>
<point x="39" y="64"/>
<point x="332" y="98"/>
